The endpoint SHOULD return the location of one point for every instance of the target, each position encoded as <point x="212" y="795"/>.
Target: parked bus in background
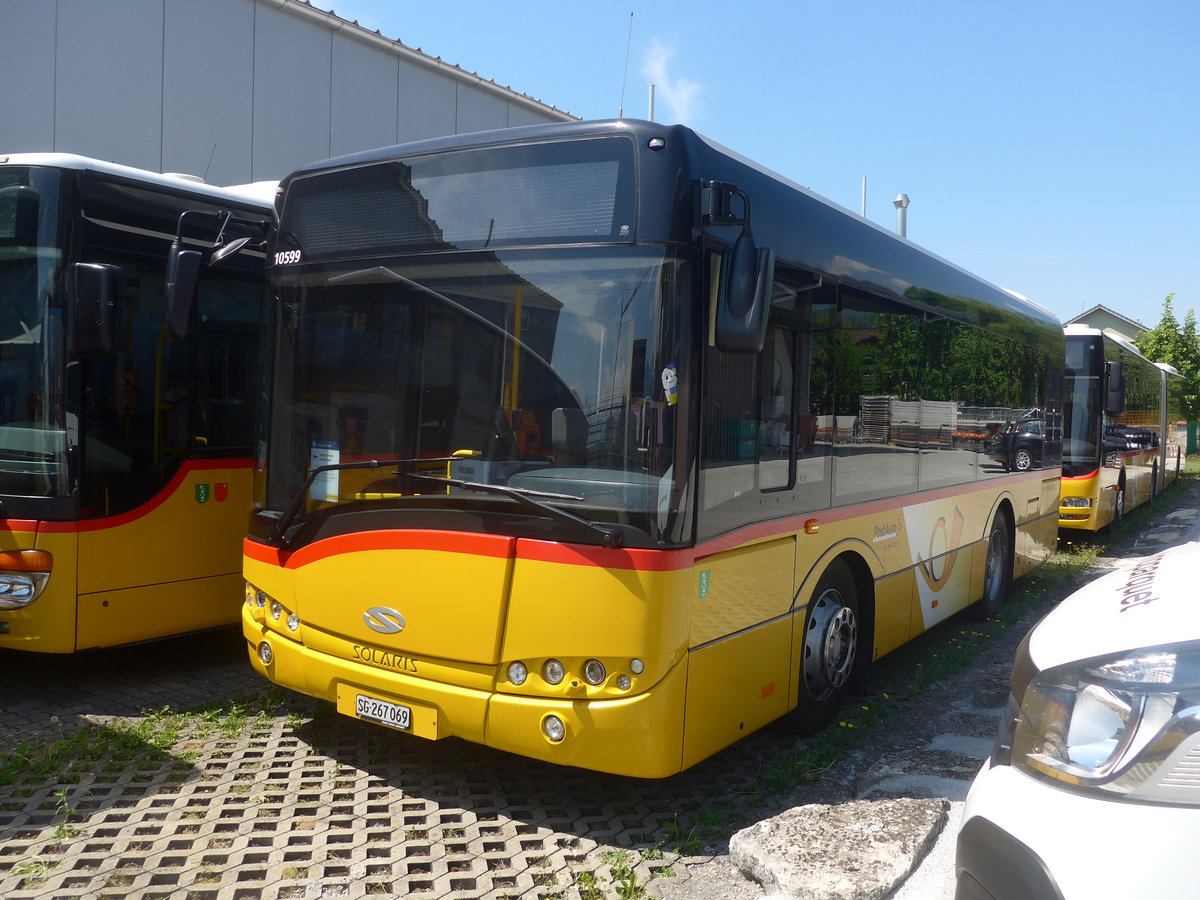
<point x="1119" y="441"/>
<point x="600" y="444"/>
<point x="124" y="436"/>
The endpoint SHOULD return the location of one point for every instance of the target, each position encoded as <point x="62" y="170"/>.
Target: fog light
<point x="517" y="673"/>
<point x="265" y="654"/>
<point x="553" y="728"/>
<point x="623" y="682"/>
<point x="594" y="672"/>
<point x="293" y="622"/>
<point x="276" y="609"/>
<point x="637" y="667"/>
<point x="553" y="671"/>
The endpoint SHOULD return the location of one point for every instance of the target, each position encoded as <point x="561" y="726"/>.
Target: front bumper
<point x="1025" y="840"/>
<point x="640" y="735"/>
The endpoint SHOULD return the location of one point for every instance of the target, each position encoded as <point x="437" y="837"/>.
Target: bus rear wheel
<point x="997" y="567"/>
<point x="829" y="653"/>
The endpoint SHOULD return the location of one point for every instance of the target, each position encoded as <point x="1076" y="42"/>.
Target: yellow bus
<point x="1120" y="445"/>
<point x="125" y="435"/>
<point x="597" y="443"/>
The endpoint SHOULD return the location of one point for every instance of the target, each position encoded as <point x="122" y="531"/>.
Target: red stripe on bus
<point x="22" y="525"/>
<point x="1092" y="474"/>
<point x="794" y="524"/>
<point x="633" y="559"/>
<point x="101" y="524"/>
<point x="497" y="546"/>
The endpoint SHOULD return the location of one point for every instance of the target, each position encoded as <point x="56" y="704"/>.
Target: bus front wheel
<point x="830" y="649"/>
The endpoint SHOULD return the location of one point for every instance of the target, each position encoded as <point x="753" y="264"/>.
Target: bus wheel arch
<point x="836" y="642"/>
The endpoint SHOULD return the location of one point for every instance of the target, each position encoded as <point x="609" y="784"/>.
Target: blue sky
<point x="1050" y="147"/>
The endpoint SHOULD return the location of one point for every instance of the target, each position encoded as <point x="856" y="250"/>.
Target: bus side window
<point x="776" y="421"/>
<point x="877" y="428"/>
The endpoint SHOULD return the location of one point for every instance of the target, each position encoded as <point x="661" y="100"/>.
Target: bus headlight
<point x="517" y="673"/>
<point x="1077" y="502"/>
<point x="255" y="598"/>
<point x="23" y="576"/>
<point x="1124" y="726"/>
<point x="553" y="671"/>
<point x="594" y="672"/>
<point x="276" y="609"/>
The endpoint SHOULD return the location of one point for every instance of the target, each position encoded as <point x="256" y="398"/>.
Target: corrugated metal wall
<point x="233" y="90"/>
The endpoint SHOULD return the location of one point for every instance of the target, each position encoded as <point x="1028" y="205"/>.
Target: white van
<point x="1093" y="790"/>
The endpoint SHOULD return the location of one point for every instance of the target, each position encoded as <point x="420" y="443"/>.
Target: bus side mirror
<point x="19" y="206"/>
<point x="182" y="269"/>
<point x="1114" y="403"/>
<point x="94" y="292"/>
<point x="743" y="296"/>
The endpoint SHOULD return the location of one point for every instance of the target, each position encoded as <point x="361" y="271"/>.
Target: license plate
<point x="391" y="714"/>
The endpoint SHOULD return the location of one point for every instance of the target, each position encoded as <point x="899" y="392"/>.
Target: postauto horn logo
<point x="384" y="619"/>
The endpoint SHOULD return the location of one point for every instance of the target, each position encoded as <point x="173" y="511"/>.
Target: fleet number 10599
<point x="287" y="257"/>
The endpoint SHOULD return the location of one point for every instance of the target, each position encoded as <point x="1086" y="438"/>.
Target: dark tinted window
<point x="561" y="192"/>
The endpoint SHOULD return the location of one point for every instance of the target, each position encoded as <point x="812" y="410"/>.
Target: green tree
<point x="1167" y="342"/>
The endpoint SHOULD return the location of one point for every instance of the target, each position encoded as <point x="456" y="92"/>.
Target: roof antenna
<point x="625" y="74"/>
<point x="210" y="156"/>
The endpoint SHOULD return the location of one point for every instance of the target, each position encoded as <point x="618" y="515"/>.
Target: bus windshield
<point x="32" y="427"/>
<point x="551" y="372"/>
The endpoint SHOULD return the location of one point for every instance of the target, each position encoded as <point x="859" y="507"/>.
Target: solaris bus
<point x="597" y="443"/>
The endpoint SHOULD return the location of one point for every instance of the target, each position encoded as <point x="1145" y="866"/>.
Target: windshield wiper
<point x="283" y="520"/>
<point x="609" y="537"/>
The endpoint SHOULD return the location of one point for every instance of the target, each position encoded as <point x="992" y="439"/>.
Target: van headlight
<point x="1125" y="726"/>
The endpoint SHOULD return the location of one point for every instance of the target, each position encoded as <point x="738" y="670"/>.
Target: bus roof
<point x="261" y="193"/>
<point x="891" y="264"/>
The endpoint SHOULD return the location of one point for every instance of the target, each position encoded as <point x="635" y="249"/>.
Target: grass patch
<point x="124" y="744"/>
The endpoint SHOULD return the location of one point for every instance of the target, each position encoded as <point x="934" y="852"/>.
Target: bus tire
<point x="997" y="567"/>
<point x="829" y="652"/>
<point x="1119" y="502"/>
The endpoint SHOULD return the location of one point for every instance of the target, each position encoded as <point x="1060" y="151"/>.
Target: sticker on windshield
<point x="670" y="383"/>
<point x="325" y="485"/>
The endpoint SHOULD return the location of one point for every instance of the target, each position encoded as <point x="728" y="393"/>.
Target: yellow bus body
<point x="717" y="628"/>
<point x="167" y="567"/>
<point x="1101" y="491"/>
